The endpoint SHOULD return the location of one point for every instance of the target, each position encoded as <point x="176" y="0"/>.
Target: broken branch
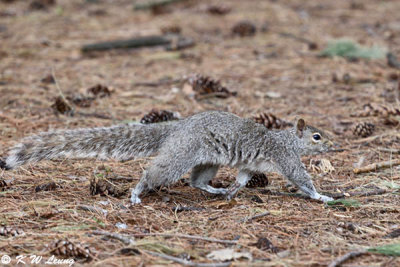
<point x="378" y="165"/>
<point x="155" y="4"/>
<point x="209" y="239"/>
<point x="170" y="42"/>
<point x="124" y="239"/>
<point x="186" y="262"/>
<point x="339" y="261"/>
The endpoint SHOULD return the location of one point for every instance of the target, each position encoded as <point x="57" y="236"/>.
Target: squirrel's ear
<point x="300" y="125"/>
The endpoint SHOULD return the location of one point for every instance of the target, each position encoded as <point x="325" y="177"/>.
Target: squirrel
<point x="201" y="143"/>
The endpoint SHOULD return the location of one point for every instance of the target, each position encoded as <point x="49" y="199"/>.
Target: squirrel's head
<point x="312" y="140"/>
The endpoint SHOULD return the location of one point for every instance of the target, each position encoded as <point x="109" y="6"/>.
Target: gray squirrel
<point x="201" y="143"/>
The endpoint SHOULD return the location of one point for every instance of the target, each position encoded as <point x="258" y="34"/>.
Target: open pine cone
<point x="9" y="231"/>
<point x="364" y="129"/>
<point x="69" y="249"/>
<point x="373" y="109"/>
<point x="244" y="28"/>
<point x="270" y="121"/>
<point x="204" y="85"/>
<point x="3" y="185"/>
<point x="258" y="179"/>
<point x="99" y="90"/>
<point x="104" y="187"/>
<point x="156" y="115"/>
<point x="62" y="106"/>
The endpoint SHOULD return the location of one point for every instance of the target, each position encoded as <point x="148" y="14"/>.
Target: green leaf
<point x="389" y="250"/>
<point x="344" y="202"/>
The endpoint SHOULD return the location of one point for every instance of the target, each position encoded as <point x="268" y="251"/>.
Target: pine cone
<point x="364" y="129"/>
<point x="270" y="121"/>
<point x="46" y="187"/>
<point x="9" y="231"/>
<point x="156" y="115"/>
<point x="204" y="85"/>
<point x="263" y="243"/>
<point x="99" y="90"/>
<point x="61" y="106"/>
<point x="258" y="179"/>
<point x="3" y="185"/>
<point x="69" y="249"/>
<point x="218" y="9"/>
<point x="372" y="109"/>
<point x="104" y="187"/>
<point x="48" y="79"/>
<point x="244" y="28"/>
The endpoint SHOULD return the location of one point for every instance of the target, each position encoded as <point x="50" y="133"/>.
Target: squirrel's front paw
<point x="325" y="198"/>
<point x="135" y="199"/>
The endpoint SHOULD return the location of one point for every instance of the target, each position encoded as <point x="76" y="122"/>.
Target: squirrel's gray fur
<point x="200" y="143"/>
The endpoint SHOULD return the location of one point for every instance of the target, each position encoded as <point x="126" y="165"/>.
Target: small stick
<point x="379" y="191"/>
<point x="388" y="150"/>
<point x="375" y="166"/>
<point x="186" y="262"/>
<point x="311" y="44"/>
<point x="229" y="242"/>
<point x="91" y="209"/>
<point x="254" y="217"/>
<point x="96" y="115"/>
<point x="339" y="261"/>
<point x="155" y="4"/>
<point x="124" y="239"/>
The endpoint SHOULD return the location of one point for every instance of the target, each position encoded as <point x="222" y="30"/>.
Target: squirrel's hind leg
<point x="201" y="175"/>
<point x="161" y="172"/>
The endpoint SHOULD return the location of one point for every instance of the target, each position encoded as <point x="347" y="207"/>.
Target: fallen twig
<point x="254" y="217"/>
<point x="155" y="4"/>
<point x="186" y="208"/>
<point x="339" y="261"/>
<point x="379" y="191"/>
<point x="91" y="209"/>
<point x="95" y="115"/>
<point x="186" y="262"/>
<point x="357" y="194"/>
<point x="378" y="165"/>
<point x="208" y="239"/>
<point x="124" y="239"/>
<point x="312" y="45"/>
<point x="388" y="150"/>
<point x="158" y="83"/>
<point x="177" y="42"/>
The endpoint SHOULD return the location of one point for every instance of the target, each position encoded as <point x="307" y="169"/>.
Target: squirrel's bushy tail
<point x="121" y="142"/>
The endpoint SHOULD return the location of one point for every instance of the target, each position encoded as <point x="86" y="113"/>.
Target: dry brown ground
<point x="307" y="233"/>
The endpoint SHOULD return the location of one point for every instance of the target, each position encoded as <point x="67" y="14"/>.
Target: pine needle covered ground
<point x="265" y="58"/>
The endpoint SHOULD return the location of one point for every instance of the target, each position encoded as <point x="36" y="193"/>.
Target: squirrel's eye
<point x="316" y="137"/>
